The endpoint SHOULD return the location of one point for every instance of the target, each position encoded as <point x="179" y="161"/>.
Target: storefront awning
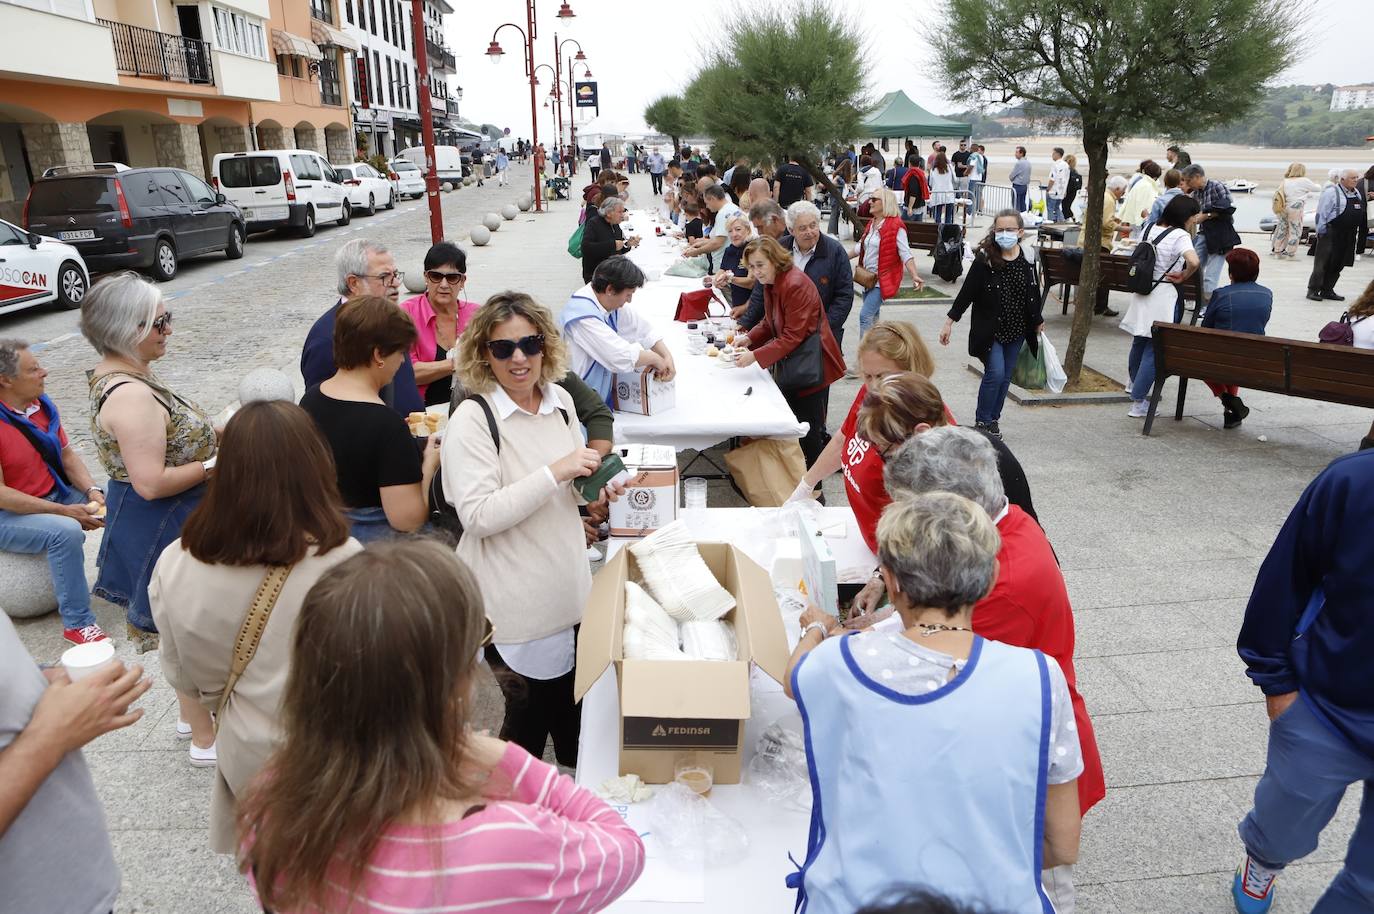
<point x="289" y="45"/>
<point x="325" y="35"/>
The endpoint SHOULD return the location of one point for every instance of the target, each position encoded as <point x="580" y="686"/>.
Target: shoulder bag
<point x="250" y="632"/>
<point x="802" y="367"/>
<point x="864" y="278"/>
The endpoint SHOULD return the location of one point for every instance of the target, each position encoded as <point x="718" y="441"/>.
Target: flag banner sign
<point x="585" y="93"/>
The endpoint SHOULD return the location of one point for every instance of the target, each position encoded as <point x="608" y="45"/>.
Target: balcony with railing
<point x="322" y="10"/>
<point x="451" y="105"/>
<point x="441" y="58"/>
<point x="159" y="55"/>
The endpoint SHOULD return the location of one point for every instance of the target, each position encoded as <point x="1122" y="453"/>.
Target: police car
<point x="35" y="270"/>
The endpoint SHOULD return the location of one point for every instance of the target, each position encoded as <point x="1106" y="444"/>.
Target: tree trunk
<point x="1094" y="189"/>
<point x="677" y="147"/>
<point x="836" y="197"/>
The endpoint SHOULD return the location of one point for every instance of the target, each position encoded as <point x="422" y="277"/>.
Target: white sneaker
<point x="1139" y="409"/>
<point x="203" y="758"/>
<point x="183" y="729"/>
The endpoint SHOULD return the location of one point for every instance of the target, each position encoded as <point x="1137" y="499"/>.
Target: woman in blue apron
<point x="937" y="758"/>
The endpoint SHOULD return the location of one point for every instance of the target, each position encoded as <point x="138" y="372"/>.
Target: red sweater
<point x="792" y="311"/>
<point x="1029" y="607"/>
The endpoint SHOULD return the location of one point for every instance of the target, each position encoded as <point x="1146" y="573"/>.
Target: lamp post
<point x="558" y="76"/>
<point x="436" y="211"/>
<point x="552" y="72"/>
<point x="529" y="34"/>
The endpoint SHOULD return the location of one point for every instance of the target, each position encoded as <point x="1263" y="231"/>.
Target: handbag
<point x="694" y="306"/>
<point x="763" y="469"/>
<point x="864" y="277"/>
<point x="1339" y="332"/>
<point x="250" y="632"/>
<point x="801" y="367"/>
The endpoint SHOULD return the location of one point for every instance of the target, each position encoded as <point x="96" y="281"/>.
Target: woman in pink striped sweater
<point x="380" y="799"/>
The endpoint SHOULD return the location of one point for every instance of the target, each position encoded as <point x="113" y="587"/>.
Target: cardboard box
<point x="651" y="493"/>
<point x="673" y="708"/>
<point x="820" y="573"/>
<point x="639" y="392"/>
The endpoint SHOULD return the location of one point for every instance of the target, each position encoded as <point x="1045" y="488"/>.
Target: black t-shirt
<point x="960" y="162"/>
<point x="792" y="181"/>
<point x="440" y="391"/>
<point x="694" y="228"/>
<point x="372" y="446"/>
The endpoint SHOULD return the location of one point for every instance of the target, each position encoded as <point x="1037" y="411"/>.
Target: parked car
<point x="111" y="167"/>
<point x="366" y="187"/>
<point x="35" y="270"/>
<point x="279" y="188"/>
<point x="409" y="180"/>
<point x="141" y="218"/>
<point x="449" y="163"/>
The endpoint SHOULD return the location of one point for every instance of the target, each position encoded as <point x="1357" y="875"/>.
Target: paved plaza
<point x="1159" y="539"/>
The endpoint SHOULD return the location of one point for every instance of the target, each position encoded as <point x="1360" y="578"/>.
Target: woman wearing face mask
<point x="1005" y="297"/>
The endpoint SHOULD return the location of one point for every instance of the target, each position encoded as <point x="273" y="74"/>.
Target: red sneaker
<point x="85" y="634"/>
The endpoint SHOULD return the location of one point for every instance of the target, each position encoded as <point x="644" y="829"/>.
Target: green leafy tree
<point x="1114" y="69"/>
<point x="783" y="79"/>
<point x="668" y="115"/>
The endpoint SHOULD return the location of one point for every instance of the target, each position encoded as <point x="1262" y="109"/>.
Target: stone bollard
<point x="525" y="204"/>
<point x="509" y="212"/>
<point x="28" y="589"/>
<point x="492" y="222"/>
<point x="266" y="384"/>
<point x="414" y="280"/>
<point x="479" y="235"/>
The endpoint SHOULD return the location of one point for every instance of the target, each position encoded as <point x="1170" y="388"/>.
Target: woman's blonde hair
<point x="899" y="342"/>
<point x="891" y="208"/>
<point x="739" y="217"/>
<point x="893" y="408"/>
<point x="474" y="365"/>
<point x="1296" y="170"/>
<point x="777" y="255"/>
<point x="1072" y="160"/>
<point x="118" y="313"/>
<point x="941" y="548"/>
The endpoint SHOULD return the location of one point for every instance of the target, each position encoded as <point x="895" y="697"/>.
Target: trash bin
<point x="486" y="169"/>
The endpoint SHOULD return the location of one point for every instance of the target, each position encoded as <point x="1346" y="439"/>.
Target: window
<point x="141" y="191"/>
<point x="173" y="194"/>
<point x="296" y="67"/>
<point x="376" y="78"/>
<point x="362" y="15"/>
<point x="281" y="64"/>
<point x="404" y="31"/>
<point x="357" y="87"/>
<point x="249" y="171"/>
<point x="386" y="20"/>
<point x="201" y="194"/>
<point x="390" y="82"/>
<point x="330" y="91"/>
<point x="240" y="34"/>
<point x="322" y="10"/>
<point x="372" y="15"/>
<point x="11" y="236"/>
<point x="306" y="167"/>
<point x="348" y="10"/>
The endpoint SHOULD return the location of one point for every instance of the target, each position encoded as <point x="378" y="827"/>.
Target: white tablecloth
<point x="755" y="881"/>
<point x="712" y="405"/>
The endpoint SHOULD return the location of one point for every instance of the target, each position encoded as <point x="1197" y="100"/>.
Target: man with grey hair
<point x="1029" y="604"/>
<point x="47" y="496"/>
<point x="1339" y="214"/>
<point x="769" y="221"/>
<point x="364" y="268"/>
<point x="825" y="261"/>
<point x="1216" y="233"/>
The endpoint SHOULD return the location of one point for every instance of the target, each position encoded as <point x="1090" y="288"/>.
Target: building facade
<point x="157" y="82"/>
<point x="1352" y="98"/>
<point x="383" y="83"/>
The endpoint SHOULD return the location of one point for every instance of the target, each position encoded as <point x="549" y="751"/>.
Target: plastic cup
<point x="84" y="659"/>
<point x="695" y="776"/>
<point x="694" y="493"/>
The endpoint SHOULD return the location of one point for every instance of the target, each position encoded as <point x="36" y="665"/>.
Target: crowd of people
<point x="324" y="656"/>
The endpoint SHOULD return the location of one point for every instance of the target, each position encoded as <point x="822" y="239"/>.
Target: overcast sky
<point x="641" y="49"/>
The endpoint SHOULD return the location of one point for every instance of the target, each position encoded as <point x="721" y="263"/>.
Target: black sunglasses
<point x="162" y="322"/>
<point x="504" y="349"/>
<point x="436" y="277"/>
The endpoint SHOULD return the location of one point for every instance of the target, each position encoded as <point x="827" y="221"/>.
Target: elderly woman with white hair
<point x="937" y="757"/>
<point x="881" y="255"/>
<point x="734" y="272"/>
<point x="602" y="236"/>
<point x="158" y="448"/>
<point x="1027" y="607"/>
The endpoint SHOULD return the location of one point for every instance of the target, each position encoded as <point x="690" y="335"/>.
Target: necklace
<point x="930" y="628"/>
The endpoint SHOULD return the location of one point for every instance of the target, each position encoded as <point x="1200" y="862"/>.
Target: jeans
<point x="1307" y="772"/>
<point x="369" y="525"/>
<point x="975" y="189"/>
<point x="61" y="538"/>
<point x="1210" y="265"/>
<point x="997" y="368"/>
<point x="868" y="313"/>
<point x="1018" y="195"/>
<point x="944" y="212"/>
<point x="656" y="180"/>
<point x="1054" y="209"/>
<point x="1141" y="366"/>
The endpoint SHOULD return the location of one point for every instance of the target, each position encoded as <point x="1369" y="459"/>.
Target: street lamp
<point x="558" y="79"/>
<point x="572" y="103"/>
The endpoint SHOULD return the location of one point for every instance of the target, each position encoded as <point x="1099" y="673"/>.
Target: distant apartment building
<point x="1352" y="98"/>
<point x="383" y="84"/>
<point x="157" y="82"/>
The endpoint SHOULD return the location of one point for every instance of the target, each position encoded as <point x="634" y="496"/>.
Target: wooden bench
<point x="1315" y="371"/>
<point x="1056" y="270"/>
<point x="920" y="235"/>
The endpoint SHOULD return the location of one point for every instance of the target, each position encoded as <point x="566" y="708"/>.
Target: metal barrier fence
<point x="144" y="52"/>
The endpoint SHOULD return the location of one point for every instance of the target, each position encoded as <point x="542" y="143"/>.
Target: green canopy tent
<point x="898" y="116"/>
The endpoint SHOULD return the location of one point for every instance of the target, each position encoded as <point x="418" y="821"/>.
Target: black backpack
<point x="949" y="253"/>
<point x="1140" y="276"/>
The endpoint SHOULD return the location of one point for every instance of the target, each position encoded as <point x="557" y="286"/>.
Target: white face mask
<point x="1006" y="239"/>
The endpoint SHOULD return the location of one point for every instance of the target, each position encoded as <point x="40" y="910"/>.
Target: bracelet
<point x="89" y="489"/>
<point x="825" y="632"/>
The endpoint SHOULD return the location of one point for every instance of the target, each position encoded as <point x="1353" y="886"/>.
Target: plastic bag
<point x="689" y="267"/>
<point x="575" y="243"/>
<point x="1030" y="369"/>
<point x="690" y="829"/>
<point x="779" y="767"/>
<point x="1055" y="378"/>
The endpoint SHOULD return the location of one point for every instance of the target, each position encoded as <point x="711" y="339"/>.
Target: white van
<point x="448" y="161"/>
<point x="282" y="187"/>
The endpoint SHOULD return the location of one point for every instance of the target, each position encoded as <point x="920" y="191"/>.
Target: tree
<point x="668" y="115"/>
<point x="783" y="80"/>
<point x="1118" y="68"/>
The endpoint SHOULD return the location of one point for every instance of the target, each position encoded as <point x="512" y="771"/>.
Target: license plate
<point x="77" y="235"/>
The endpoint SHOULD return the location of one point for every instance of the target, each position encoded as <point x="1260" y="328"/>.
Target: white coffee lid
<point x="92" y="653"/>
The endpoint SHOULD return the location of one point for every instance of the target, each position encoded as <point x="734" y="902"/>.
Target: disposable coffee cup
<point x="85" y="659"/>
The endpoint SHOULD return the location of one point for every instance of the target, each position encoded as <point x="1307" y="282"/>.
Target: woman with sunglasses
<point x="260" y="513"/>
<point x="158" y="448"/>
<point x="440" y="316"/>
<point x="510" y="457"/>
<point x="383" y="476"/>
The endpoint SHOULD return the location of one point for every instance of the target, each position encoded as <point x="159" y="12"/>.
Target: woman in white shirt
<point x="510" y="457"/>
<point x="1175" y="261"/>
<point x="869" y="181"/>
<point x="1297" y="189"/>
<point x="1361" y="313"/>
<point x="941" y="181"/>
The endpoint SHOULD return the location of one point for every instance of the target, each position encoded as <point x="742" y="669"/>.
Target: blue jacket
<point x="1242" y="306"/>
<point x="317" y="364"/>
<point x="1309" y="624"/>
<point x="831" y="271"/>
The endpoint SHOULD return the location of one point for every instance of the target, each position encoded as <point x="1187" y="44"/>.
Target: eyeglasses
<point x="388" y="279"/>
<point x="162" y="322"/>
<point x="504" y="349"/>
<point x="438" y="277"/>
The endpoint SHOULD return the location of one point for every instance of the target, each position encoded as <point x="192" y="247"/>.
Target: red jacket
<point x="1029" y="607"/>
<point x="792" y="311"/>
<point x="889" y="260"/>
